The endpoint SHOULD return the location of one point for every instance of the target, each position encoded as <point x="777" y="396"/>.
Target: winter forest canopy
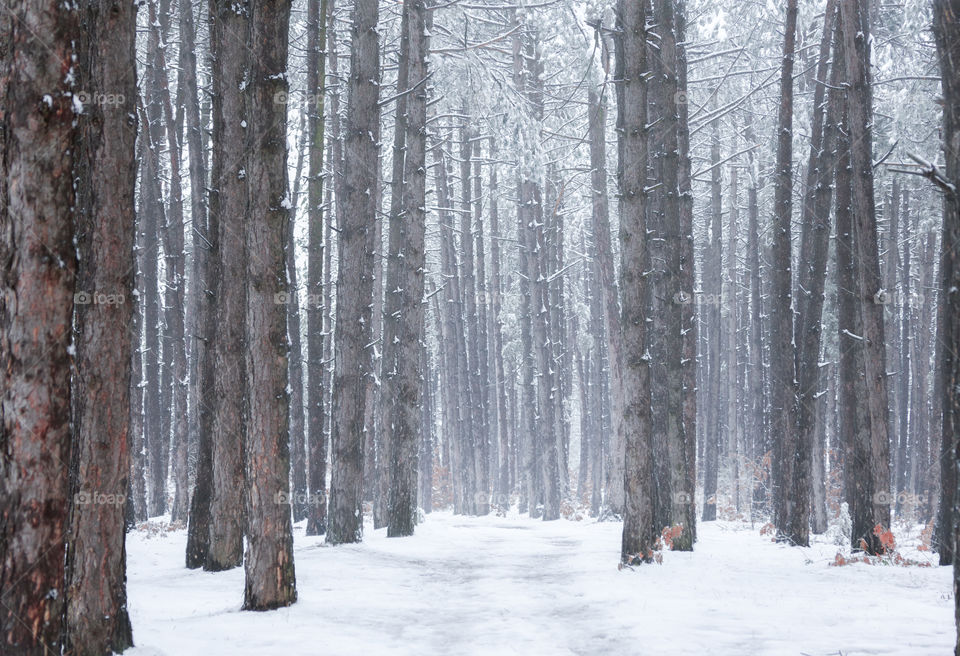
<point x="677" y="278"/>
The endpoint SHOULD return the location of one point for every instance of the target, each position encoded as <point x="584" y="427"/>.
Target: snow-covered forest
<point x="479" y="327"/>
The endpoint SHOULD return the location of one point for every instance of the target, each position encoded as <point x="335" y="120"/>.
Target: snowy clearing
<point x="497" y="585"/>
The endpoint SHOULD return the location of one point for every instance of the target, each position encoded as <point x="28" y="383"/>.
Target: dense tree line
<point x="655" y="262"/>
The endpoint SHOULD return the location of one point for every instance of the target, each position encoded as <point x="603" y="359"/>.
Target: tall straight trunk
<point x="946" y="29"/>
<point x="201" y="311"/>
<point x="712" y="288"/>
<point x="903" y="325"/>
<point x="320" y="36"/>
<point x="613" y="492"/>
<point x="39" y="260"/>
<point x="392" y="296"/>
<point x="229" y="42"/>
<point x="756" y="371"/>
<point x="268" y="564"/>
<point x="138" y="463"/>
<point x="496" y="327"/>
<point x="174" y="366"/>
<point x="97" y="618"/>
<point x="480" y="502"/>
<point x="488" y="454"/>
<point x="637" y="539"/>
<point x="356" y="223"/>
<point x="814" y="247"/>
<point x="427" y="432"/>
<point x="152" y="219"/>
<point x="791" y="505"/>
<point x="298" y="453"/>
<point x="684" y="458"/>
<point x="402" y="383"/>
<point x="867" y="447"/>
<point x="461" y="458"/>
<point x="728" y="329"/>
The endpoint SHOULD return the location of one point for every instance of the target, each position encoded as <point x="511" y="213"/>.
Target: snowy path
<point x="466" y="586"/>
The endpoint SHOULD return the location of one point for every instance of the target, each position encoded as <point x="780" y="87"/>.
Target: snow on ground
<point x="495" y="585"/>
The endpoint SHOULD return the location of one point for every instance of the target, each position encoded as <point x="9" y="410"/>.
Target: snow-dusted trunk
<point x="268" y="564"/>
<point x="39" y="260"/>
<point x="201" y="304"/>
<point x="356" y="221"/>
<point x="814" y="247"/>
<point x="867" y="461"/>
<point x="97" y="618"/>
<point x="790" y="505"/>
<point x="946" y="27"/>
<point x="500" y="381"/>
<point x="637" y="539"/>
<point x="228" y="210"/>
<point x="711" y="304"/>
<point x="153" y="217"/>
<point x="319" y="38"/>
<point x="403" y="331"/>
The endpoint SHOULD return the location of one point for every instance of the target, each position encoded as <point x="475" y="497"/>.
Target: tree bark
<point x="229" y="42"/>
<point x="402" y="382"/>
<point x="946" y="29"/>
<point x="791" y="505"/>
<point x="355" y="278"/>
<point x="39" y="260"/>
<point x="320" y="36"/>
<point x="97" y="618"/>
<point x="868" y="448"/>
<point x="637" y="541"/>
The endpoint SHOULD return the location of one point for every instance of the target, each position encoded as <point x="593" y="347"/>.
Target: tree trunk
<point x="270" y="580"/>
<point x="355" y="278"/>
<point x="637" y="540"/>
<point x="320" y="36"/>
<point x="867" y="462"/>
<point x="97" y="618"/>
<point x="229" y="42"/>
<point x="402" y="382"/>
<point x="39" y="260"/>
<point x="946" y="28"/>
<point x="791" y="504"/>
<point x="814" y="247"/>
<point x="710" y="306"/>
<point x="202" y="308"/>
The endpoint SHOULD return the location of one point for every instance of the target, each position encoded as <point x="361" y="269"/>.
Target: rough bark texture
<point x="637" y="540"/>
<point x="788" y="501"/>
<point x="268" y="564"/>
<point x="37" y="266"/>
<point x="319" y="36"/>
<point x="946" y="28"/>
<point x="814" y="246"/>
<point x="201" y="308"/>
<point x="404" y="315"/>
<point x="867" y="461"/>
<point x="97" y="618"/>
<point x="229" y="40"/>
<point x="355" y="278"/>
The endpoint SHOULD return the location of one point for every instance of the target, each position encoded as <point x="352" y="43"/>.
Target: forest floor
<point x="511" y="585"/>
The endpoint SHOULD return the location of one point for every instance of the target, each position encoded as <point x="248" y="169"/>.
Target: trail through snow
<point x="495" y="585"/>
